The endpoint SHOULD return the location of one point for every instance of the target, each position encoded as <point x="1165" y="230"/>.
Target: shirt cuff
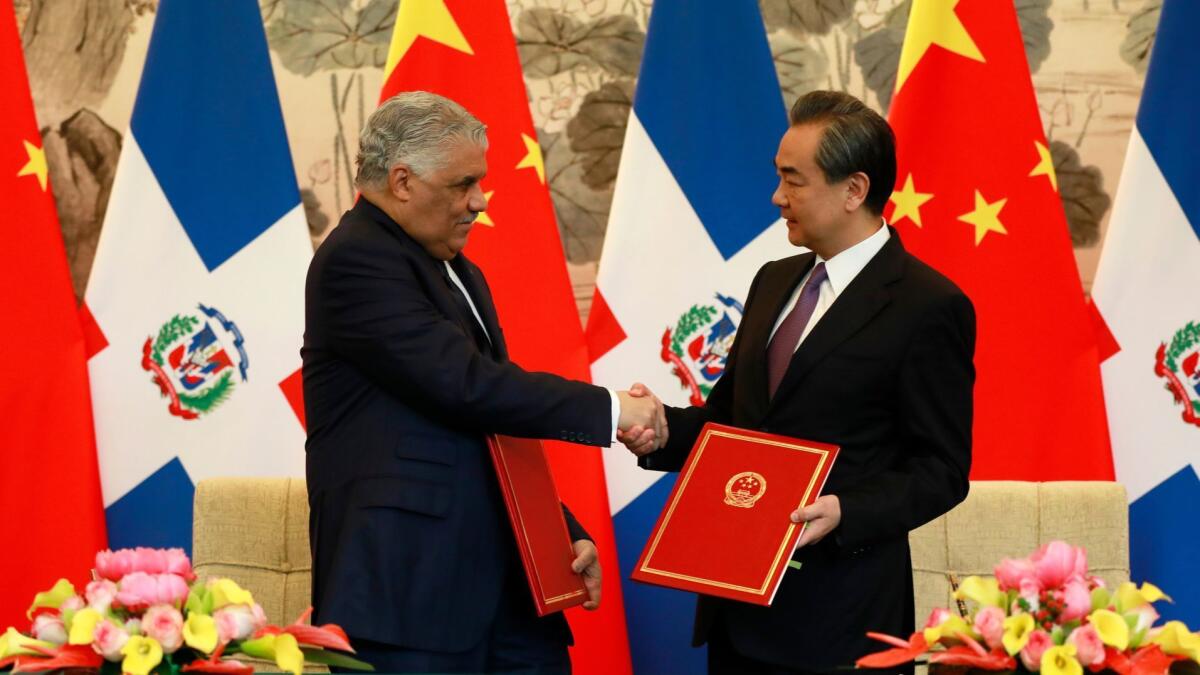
<point x="616" y="416"/>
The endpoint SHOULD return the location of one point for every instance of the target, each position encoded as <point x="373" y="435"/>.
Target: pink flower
<point x="989" y="621"/>
<point x="937" y="617"/>
<point x="1031" y="655"/>
<point x="108" y="640"/>
<point x="1030" y="590"/>
<point x="113" y="565"/>
<point x="234" y="622"/>
<point x="1077" y="600"/>
<point x="1088" y="647"/>
<point x="260" y="617"/>
<point x="1146" y="616"/>
<point x="100" y="594"/>
<point x="49" y="627"/>
<point x="73" y="604"/>
<point x="139" y="590"/>
<point x="165" y="624"/>
<point x="1057" y="562"/>
<point x="1011" y="573"/>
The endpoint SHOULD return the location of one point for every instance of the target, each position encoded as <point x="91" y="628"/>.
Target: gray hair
<point x="413" y="128"/>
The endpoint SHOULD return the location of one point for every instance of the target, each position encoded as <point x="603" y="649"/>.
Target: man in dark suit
<point x="405" y="372"/>
<point x="857" y="343"/>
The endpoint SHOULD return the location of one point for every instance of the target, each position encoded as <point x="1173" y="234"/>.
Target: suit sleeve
<point x="574" y="529"/>
<point x="936" y="405"/>
<point x="684" y="424"/>
<point x="383" y="321"/>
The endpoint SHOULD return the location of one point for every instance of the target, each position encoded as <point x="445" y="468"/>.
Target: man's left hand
<point x="822" y="516"/>
<point x="587" y="565"/>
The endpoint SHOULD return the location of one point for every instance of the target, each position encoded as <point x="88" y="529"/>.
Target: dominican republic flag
<point x="1148" y="290"/>
<point x="197" y="288"/>
<point x="691" y="223"/>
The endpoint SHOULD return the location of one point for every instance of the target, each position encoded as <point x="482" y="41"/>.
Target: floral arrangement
<point x="145" y="612"/>
<point x="1046" y="614"/>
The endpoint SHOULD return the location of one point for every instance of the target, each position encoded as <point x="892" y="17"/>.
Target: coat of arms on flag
<point x="698" y="347"/>
<point x="193" y="360"/>
<point x="1178" y="362"/>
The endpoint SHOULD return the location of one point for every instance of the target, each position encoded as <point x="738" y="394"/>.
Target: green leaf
<point x="1101" y="598"/>
<point x="1081" y="190"/>
<point x="215" y="394"/>
<point x="332" y="658"/>
<point x="550" y="42"/>
<point x="1143" y="27"/>
<point x="315" y="35"/>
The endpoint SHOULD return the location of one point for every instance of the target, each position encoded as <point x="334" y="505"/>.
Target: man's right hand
<point x="643" y="437"/>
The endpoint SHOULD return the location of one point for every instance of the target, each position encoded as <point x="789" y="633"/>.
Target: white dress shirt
<point x="840" y="270"/>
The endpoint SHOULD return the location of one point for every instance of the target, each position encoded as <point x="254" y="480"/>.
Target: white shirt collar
<point x="843" y="267"/>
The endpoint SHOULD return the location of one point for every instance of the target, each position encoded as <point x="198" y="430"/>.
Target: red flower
<point x="905" y="651"/>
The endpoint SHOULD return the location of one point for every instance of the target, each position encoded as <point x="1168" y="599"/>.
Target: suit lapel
<point x="434" y="277"/>
<point x="472" y="279"/>
<point x="854" y="308"/>
<point x="756" y="328"/>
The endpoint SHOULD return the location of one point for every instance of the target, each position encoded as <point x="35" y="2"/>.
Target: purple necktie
<point x="783" y="344"/>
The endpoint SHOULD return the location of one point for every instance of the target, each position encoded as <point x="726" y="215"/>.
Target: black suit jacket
<point x="409" y="536"/>
<point x="886" y="374"/>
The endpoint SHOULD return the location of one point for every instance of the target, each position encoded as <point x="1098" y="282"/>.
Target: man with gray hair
<point x="405" y="373"/>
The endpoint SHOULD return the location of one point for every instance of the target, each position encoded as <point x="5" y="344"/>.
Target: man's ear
<point x="857" y="187"/>
<point x="399" y="182"/>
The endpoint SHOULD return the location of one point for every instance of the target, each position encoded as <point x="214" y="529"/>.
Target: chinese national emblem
<point x="1179" y="364"/>
<point x="744" y="489"/>
<point x="699" y="345"/>
<point x="193" y="361"/>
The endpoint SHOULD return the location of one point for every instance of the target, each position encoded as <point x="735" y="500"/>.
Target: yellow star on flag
<point x="985" y="217"/>
<point x="36" y="166"/>
<point x="908" y="202"/>
<point x="1045" y="165"/>
<point x="533" y="158"/>
<point x="483" y="218"/>
<point x="423" y="18"/>
<point x="933" y="22"/>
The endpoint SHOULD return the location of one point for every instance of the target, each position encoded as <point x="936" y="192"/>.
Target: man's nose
<point x="478" y="201"/>
<point x="777" y="197"/>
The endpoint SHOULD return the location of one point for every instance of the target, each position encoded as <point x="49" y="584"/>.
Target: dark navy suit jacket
<point x="409" y="536"/>
<point x="887" y="374"/>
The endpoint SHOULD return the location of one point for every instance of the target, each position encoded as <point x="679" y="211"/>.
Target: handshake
<point x="642" y="426"/>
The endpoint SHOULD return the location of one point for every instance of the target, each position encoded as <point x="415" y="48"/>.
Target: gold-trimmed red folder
<point x="726" y="528"/>
<point x="537" y="520"/>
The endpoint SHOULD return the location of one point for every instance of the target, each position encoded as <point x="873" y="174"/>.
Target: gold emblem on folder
<point x="744" y="489"/>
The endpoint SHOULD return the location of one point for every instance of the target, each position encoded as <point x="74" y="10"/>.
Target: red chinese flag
<point x="49" y="483"/>
<point x="465" y="50"/>
<point x="977" y="198"/>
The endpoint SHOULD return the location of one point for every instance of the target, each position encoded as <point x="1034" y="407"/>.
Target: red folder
<point x="725" y="530"/>
<point x="537" y="520"/>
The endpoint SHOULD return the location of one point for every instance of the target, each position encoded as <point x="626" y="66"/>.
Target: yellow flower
<point x="13" y="643"/>
<point x="1111" y="627"/>
<point x="1129" y="596"/>
<point x="950" y="628"/>
<point x="52" y="598"/>
<point x="200" y="632"/>
<point x="1060" y="661"/>
<point x="1175" y="638"/>
<point x="227" y="592"/>
<point x="83" y="626"/>
<point x="142" y="654"/>
<point x="1016" y="633"/>
<point x="282" y="649"/>
<point x="986" y="592"/>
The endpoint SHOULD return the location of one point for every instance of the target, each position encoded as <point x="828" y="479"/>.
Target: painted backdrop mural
<point x="580" y="57"/>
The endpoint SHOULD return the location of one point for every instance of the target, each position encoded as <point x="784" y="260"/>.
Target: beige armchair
<point x="1010" y="519"/>
<point x="255" y="531"/>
